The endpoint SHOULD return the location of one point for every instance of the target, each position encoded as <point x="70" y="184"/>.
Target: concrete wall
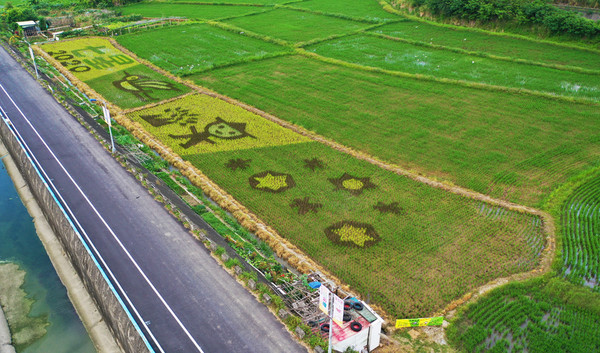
<point x="110" y="306"/>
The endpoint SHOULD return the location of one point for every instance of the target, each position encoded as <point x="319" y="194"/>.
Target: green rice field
<point x="362" y="9"/>
<point x="398" y="56"/>
<point x="581" y="222"/>
<point x="505" y="46"/>
<point x="466" y="135"/>
<point x="239" y="2"/>
<point x="212" y="48"/>
<point x="542" y="315"/>
<point x="191" y="11"/>
<point x="306" y="188"/>
<point x="296" y="26"/>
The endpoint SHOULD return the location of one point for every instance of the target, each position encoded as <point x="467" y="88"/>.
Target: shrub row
<point x="537" y="12"/>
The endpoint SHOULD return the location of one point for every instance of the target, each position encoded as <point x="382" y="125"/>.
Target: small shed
<point x="362" y="332"/>
<point x="29" y="28"/>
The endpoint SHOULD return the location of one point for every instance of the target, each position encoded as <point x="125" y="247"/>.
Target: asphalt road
<point x="190" y="304"/>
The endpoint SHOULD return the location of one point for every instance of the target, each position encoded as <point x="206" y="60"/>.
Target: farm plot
<point x="537" y="316"/>
<point x="365" y="9"/>
<point x="397" y="56"/>
<point x="295" y="26"/>
<point x="516" y="147"/>
<point x="411" y="247"/>
<point x="581" y="240"/>
<point x="212" y="47"/>
<point x="191" y="11"/>
<point x="237" y="2"/>
<point x="506" y="46"/>
<point x="116" y="76"/>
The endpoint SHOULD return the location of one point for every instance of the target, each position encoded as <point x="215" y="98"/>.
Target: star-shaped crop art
<point x="389" y="208"/>
<point x="352" y="184"/>
<point x="305" y="206"/>
<point x="238" y="163"/>
<point x="314" y="164"/>
<point x="272" y="181"/>
<point x="353" y="234"/>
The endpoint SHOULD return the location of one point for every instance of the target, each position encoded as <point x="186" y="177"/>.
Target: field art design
<point x="353" y="234"/>
<point x="347" y="214"/>
<point x="272" y="181"/>
<point x="203" y="124"/>
<point x="352" y="184"/>
<point x="113" y="74"/>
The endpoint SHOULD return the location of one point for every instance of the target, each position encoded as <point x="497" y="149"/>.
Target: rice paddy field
<point x="513" y="118"/>
<point x="191" y="11"/>
<point x="458" y="133"/>
<point x="518" y="48"/>
<point x="212" y="48"/>
<point x="295" y="26"/>
<point x="542" y="315"/>
<point x="310" y="193"/>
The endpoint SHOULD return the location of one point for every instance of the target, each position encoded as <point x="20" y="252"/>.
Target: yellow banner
<point x="429" y="321"/>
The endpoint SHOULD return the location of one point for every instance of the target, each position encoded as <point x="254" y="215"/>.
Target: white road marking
<point x="107" y="227"/>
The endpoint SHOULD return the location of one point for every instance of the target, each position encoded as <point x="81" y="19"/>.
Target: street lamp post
<point x="106" y="114"/>
<point x="37" y="76"/>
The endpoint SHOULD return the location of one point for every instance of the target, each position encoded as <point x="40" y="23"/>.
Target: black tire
<point x="358" y="306"/>
<point x="355" y="326"/>
<point x="347" y="305"/>
<point x="347" y="317"/>
<point x="312" y="323"/>
<point x="325" y="327"/>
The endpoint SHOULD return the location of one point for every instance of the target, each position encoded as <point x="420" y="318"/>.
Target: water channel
<point x="51" y="309"/>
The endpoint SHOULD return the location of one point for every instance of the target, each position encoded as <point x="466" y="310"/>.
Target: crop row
<point x="581" y="243"/>
<point x="531" y="317"/>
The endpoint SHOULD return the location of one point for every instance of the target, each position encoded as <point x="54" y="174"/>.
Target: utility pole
<point x="331" y="296"/>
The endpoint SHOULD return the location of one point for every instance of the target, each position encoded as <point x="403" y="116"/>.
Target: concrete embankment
<point x="5" y="341"/>
<point x="99" y="309"/>
<point x="80" y="298"/>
